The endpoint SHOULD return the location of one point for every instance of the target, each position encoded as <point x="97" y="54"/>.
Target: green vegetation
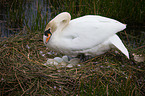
<point x="22" y="69"/>
<point x="127" y="11"/>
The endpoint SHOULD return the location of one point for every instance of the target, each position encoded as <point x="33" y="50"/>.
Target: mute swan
<point x="90" y="34"/>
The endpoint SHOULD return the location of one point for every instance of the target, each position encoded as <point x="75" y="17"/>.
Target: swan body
<point x="90" y="34"/>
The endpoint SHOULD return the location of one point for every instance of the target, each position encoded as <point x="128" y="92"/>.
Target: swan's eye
<point x="47" y="32"/>
<point x="64" y="21"/>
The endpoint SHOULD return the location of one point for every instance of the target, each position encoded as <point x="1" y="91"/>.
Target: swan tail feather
<point x="116" y="41"/>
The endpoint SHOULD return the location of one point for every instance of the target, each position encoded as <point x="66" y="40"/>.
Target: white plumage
<point x="90" y="34"/>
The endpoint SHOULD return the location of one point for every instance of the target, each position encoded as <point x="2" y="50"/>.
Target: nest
<point x="22" y="71"/>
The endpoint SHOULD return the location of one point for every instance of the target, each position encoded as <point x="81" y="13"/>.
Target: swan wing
<point x="88" y="31"/>
<point x="116" y="41"/>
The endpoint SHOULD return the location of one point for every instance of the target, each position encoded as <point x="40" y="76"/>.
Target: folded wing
<point x="88" y="31"/>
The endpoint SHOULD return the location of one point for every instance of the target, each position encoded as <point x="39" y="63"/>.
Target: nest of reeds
<point x="22" y="71"/>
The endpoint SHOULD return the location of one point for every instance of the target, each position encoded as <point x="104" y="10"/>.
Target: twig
<point x="107" y="89"/>
<point x="12" y="88"/>
<point x="140" y="47"/>
<point x="133" y="91"/>
<point x="127" y="37"/>
<point x="136" y="68"/>
<point x="26" y="56"/>
<point x="29" y="88"/>
<point x="19" y="82"/>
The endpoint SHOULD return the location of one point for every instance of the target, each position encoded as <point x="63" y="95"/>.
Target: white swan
<point x="90" y="34"/>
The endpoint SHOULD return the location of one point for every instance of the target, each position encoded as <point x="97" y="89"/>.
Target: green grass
<point x="22" y="69"/>
<point x="130" y="12"/>
<point x="127" y="11"/>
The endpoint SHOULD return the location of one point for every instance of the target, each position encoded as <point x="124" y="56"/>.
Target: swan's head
<point x="56" y="25"/>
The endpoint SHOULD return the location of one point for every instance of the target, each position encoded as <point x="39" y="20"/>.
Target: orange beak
<point x="47" y="39"/>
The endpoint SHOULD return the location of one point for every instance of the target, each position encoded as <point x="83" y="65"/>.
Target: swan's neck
<point x="62" y="20"/>
<point x="59" y="22"/>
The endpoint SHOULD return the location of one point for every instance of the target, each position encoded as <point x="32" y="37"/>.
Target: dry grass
<point x="22" y="72"/>
<point x="22" y="69"/>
